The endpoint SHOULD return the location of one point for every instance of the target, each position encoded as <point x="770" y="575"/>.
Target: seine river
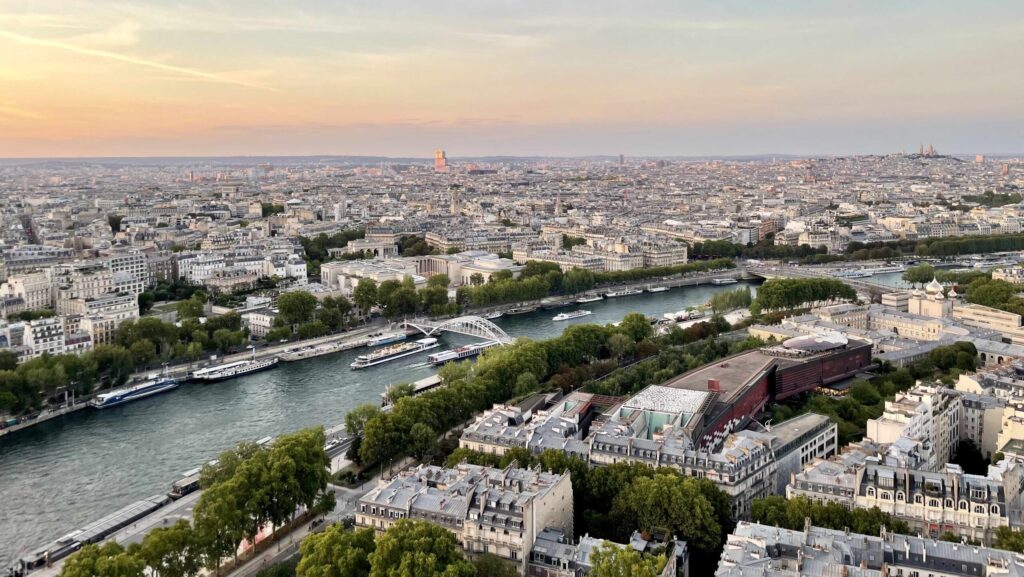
<point x="62" y="474"/>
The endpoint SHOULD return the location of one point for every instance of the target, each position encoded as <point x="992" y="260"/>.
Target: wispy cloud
<point x="121" y="34"/>
<point x="41" y="20"/>
<point x="127" y="59"/>
<point x="509" y="40"/>
<point x="11" y="110"/>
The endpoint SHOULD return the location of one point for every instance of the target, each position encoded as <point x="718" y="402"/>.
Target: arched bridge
<point x="470" y="326"/>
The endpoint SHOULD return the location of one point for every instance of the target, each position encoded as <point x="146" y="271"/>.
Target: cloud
<point x="40" y="20"/>
<point x="508" y="40"/>
<point x="105" y="54"/>
<point x="122" y="34"/>
<point x="10" y="110"/>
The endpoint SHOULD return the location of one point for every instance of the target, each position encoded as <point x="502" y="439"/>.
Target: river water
<point x="62" y="474"/>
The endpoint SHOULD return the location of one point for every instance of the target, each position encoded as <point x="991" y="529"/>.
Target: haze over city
<point x="400" y="78"/>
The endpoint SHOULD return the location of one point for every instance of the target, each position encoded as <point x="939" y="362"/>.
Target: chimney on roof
<point x="714" y="386"/>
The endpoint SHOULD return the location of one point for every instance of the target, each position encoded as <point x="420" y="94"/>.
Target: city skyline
<point x="137" y="78"/>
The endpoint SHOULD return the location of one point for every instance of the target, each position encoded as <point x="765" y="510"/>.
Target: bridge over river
<point x="863" y="285"/>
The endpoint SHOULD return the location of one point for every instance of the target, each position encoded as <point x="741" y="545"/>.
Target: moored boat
<point x="393" y="352"/>
<point x="623" y="293"/>
<point x="460" y="353"/>
<point x="385" y="339"/>
<point x="134" y="393"/>
<point x="232" y="370"/>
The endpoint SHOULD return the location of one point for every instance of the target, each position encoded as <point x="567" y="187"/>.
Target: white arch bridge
<point x="469" y="326"/>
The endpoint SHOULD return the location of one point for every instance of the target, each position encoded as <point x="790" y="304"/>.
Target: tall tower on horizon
<point x="440" y="161"/>
<point x="453" y="206"/>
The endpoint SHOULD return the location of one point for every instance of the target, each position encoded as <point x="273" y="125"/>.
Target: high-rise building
<point x="440" y="161"/>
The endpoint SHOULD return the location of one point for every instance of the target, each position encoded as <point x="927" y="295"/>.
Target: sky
<point x="513" y="77"/>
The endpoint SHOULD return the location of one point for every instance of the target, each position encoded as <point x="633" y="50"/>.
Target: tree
<point x="619" y="345"/>
<point x="107" y="560"/>
<point x="146" y="300"/>
<point x="398" y="391"/>
<point x="919" y="274"/>
<point x="278" y="334"/>
<point x="143" y="351"/>
<point x="226" y="339"/>
<point x="194" y="351"/>
<point x="312" y="329"/>
<point x="171" y="551"/>
<point x="610" y="560"/>
<point x="577" y="280"/>
<point x="422" y="441"/>
<point x="636" y="326"/>
<point x="385" y="289"/>
<point x="220" y="522"/>
<point x="439" y="281"/>
<point x="382" y="439"/>
<point x="365" y="294"/>
<point x="190" y="309"/>
<point x="490" y="565"/>
<point x="433" y="298"/>
<point x="526" y="383"/>
<point x="476" y="279"/>
<point x="296" y="307"/>
<point x="670" y="504"/>
<point x="331" y="318"/>
<point x="356" y="419"/>
<point x="418" y="549"/>
<point x="401" y="302"/>
<point x="8" y="360"/>
<point x="1007" y="538"/>
<point x="336" y="553"/>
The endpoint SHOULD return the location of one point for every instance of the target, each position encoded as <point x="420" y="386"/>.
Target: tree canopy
<point x="336" y="552"/>
<point x="610" y="560"/>
<point x="418" y="549"/>
<point x="789" y="293"/>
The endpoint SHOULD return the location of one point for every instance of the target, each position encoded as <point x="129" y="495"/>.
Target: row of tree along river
<point x="75" y="469"/>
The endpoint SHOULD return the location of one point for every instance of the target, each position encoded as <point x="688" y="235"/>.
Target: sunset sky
<point x="478" y="77"/>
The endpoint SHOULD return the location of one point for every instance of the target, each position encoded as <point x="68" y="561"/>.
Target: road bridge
<point x="864" y="285"/>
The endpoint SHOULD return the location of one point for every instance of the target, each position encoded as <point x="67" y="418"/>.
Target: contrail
<point x="130" y="60"/>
